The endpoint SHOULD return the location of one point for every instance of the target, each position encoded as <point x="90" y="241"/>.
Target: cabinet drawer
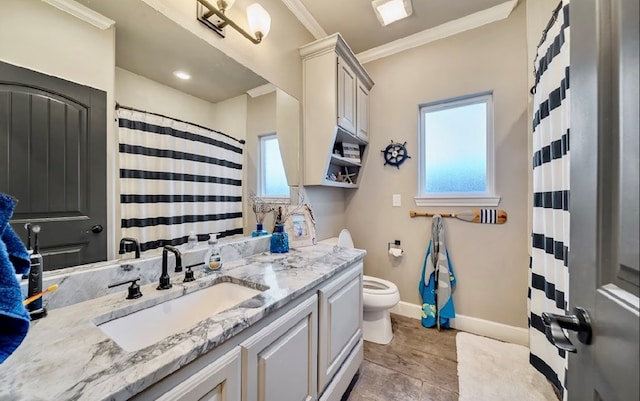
<point x="340" y="322"/>
<point x="279" y="362"/>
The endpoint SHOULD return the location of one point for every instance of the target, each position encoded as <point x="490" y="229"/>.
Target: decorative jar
<point x="279" y="240"/>
<point x="259" y="231"/>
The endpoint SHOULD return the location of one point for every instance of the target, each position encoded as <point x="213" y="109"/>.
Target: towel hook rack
<point x="485" y="216"/>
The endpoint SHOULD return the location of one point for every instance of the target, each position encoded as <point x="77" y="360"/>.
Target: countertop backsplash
<point x="85" y="282"/>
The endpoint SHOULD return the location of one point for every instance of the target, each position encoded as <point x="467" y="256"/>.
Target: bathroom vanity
<point x="299" y="338"/>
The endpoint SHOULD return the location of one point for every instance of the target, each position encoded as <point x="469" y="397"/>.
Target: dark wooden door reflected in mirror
<point x="53" y="152"/>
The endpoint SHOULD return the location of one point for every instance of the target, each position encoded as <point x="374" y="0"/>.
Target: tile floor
<point x="418" y="365"/>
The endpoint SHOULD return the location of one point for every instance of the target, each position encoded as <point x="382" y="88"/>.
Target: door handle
<point x="578" y="322"/>
<point x="97" y="229"/>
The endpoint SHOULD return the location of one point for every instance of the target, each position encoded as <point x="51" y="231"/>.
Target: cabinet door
<point x="362" y="115"/>
<point x="340" y="322"/>
<point x="279" y="362"/>
<point x="346" y="97"/>
<point x="219" y="381"/>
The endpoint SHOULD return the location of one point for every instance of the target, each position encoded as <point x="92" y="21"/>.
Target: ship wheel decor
<point x="395" y="154"/>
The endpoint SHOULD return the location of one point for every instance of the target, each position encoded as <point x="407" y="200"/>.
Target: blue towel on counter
<point x="14" y="259"/>
<point x="437" y="302"/>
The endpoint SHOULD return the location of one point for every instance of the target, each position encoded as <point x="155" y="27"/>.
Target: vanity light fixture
<point x="214" y="17"/>
<point x="182" y="75"/>
<point x="389" y="11"/>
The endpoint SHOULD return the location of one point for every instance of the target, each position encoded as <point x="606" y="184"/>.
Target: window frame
<point x="280" y="199"/>
<point x="489" y="197"/>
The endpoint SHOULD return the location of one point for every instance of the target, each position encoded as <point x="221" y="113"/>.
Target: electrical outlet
<point x="397" y="200"/>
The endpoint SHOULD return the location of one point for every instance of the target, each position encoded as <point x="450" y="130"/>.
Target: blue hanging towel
<point x="437" y="273"/>
<point x="14" y="259"/>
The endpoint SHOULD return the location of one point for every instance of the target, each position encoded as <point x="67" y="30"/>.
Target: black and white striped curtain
<point x="177" y="177"/>
<point x="549" y="274"/>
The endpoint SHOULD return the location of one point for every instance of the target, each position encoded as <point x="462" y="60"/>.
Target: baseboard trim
<point x="473" y="325"/>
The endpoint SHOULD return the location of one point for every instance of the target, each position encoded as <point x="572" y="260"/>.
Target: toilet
<point x="379" y="296"/>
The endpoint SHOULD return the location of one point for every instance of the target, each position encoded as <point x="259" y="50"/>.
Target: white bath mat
<point x="490" y="370"/>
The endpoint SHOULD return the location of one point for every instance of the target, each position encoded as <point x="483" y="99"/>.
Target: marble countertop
<point x="66" y="356"/>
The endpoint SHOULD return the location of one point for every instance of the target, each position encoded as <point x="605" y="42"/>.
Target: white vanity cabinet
<point x="219" y="380"/>
<point x="279" y="362"/>
<point x="336" y="112"/>
<point x="308" y="350"/>
<point x="340" y="322"/>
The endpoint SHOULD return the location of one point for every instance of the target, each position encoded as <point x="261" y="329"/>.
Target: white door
<point x="603" y="264"/>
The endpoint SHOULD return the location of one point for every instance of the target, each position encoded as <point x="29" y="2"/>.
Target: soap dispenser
<point x="213" y="256"/>
<point x="192" y="240"/>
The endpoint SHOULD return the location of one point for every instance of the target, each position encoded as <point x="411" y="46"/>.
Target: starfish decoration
<point x="347" y="176"/>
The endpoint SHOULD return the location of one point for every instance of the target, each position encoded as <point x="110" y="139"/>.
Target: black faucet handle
<point x="134" y="288"/>
<point x="188" y="274"/>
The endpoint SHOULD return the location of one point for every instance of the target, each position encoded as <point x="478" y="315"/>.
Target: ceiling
<point x="152" y="45"/>
<point x="357" y="23"/>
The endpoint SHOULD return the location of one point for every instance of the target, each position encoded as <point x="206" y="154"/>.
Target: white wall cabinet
<point x="336" y="111"/>
<point x="346" y="96"/>
<point x="280" y="361"/>
<point x="362" y="115"/>
<point x="340" y="322"/>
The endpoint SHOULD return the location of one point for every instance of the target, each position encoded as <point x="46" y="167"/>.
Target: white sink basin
<point x="147" y="326"/>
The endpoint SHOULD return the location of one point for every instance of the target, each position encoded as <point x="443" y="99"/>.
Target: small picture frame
<point x="301" y="227"/>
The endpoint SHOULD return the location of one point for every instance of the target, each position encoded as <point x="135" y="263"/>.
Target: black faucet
<point x="135" y="243"/>
<point x="164" y="277"/>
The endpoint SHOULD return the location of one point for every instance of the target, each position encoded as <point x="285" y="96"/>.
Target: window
<point x="272" y="180"/>
<point x="456" y="152"/>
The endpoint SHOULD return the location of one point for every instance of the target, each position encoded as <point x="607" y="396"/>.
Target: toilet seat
<point x="377" y="286"/>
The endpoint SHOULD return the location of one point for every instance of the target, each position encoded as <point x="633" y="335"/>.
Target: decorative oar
<point x="486" y="216"/>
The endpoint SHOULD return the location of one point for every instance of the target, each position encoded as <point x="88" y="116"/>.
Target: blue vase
<point x="259" y="231"/>
<point x="279" y="240"/>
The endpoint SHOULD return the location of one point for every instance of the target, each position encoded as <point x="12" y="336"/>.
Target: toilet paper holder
<point x="393" y="248"/>
<point x="395" y="244"/>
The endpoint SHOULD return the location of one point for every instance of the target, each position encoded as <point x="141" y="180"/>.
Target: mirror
<point x="149" y="48"/>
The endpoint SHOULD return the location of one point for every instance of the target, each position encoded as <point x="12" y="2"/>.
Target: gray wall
<point x="490" y="261"/>
<point x="40" y="37"/>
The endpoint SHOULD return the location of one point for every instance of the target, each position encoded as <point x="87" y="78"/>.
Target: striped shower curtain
<point x="177" y="177"/>
<point x="549" y="274"/>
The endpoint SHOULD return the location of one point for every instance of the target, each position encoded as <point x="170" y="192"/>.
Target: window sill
<point x="490" y="201"/>
<point x="276" y="200"/>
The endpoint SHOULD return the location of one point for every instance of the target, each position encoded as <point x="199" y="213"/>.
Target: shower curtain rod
<point x="554" y="16"/>
<point x="119" y="106"/>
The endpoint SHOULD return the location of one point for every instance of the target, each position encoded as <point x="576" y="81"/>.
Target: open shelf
<point x="344" y="161"/>
<point x="338" y="184"/>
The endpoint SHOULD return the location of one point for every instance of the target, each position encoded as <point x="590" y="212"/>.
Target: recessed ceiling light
<point x="389" y="11"/>
<point x="182" y="75"/>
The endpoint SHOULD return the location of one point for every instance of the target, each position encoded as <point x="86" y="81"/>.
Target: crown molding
<point x="261" y="90"/>
<point x="472" y="21"/>
<point x="336" y="43"/>
<point x="304" y="16"/>
<point x="82" y="12"/>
